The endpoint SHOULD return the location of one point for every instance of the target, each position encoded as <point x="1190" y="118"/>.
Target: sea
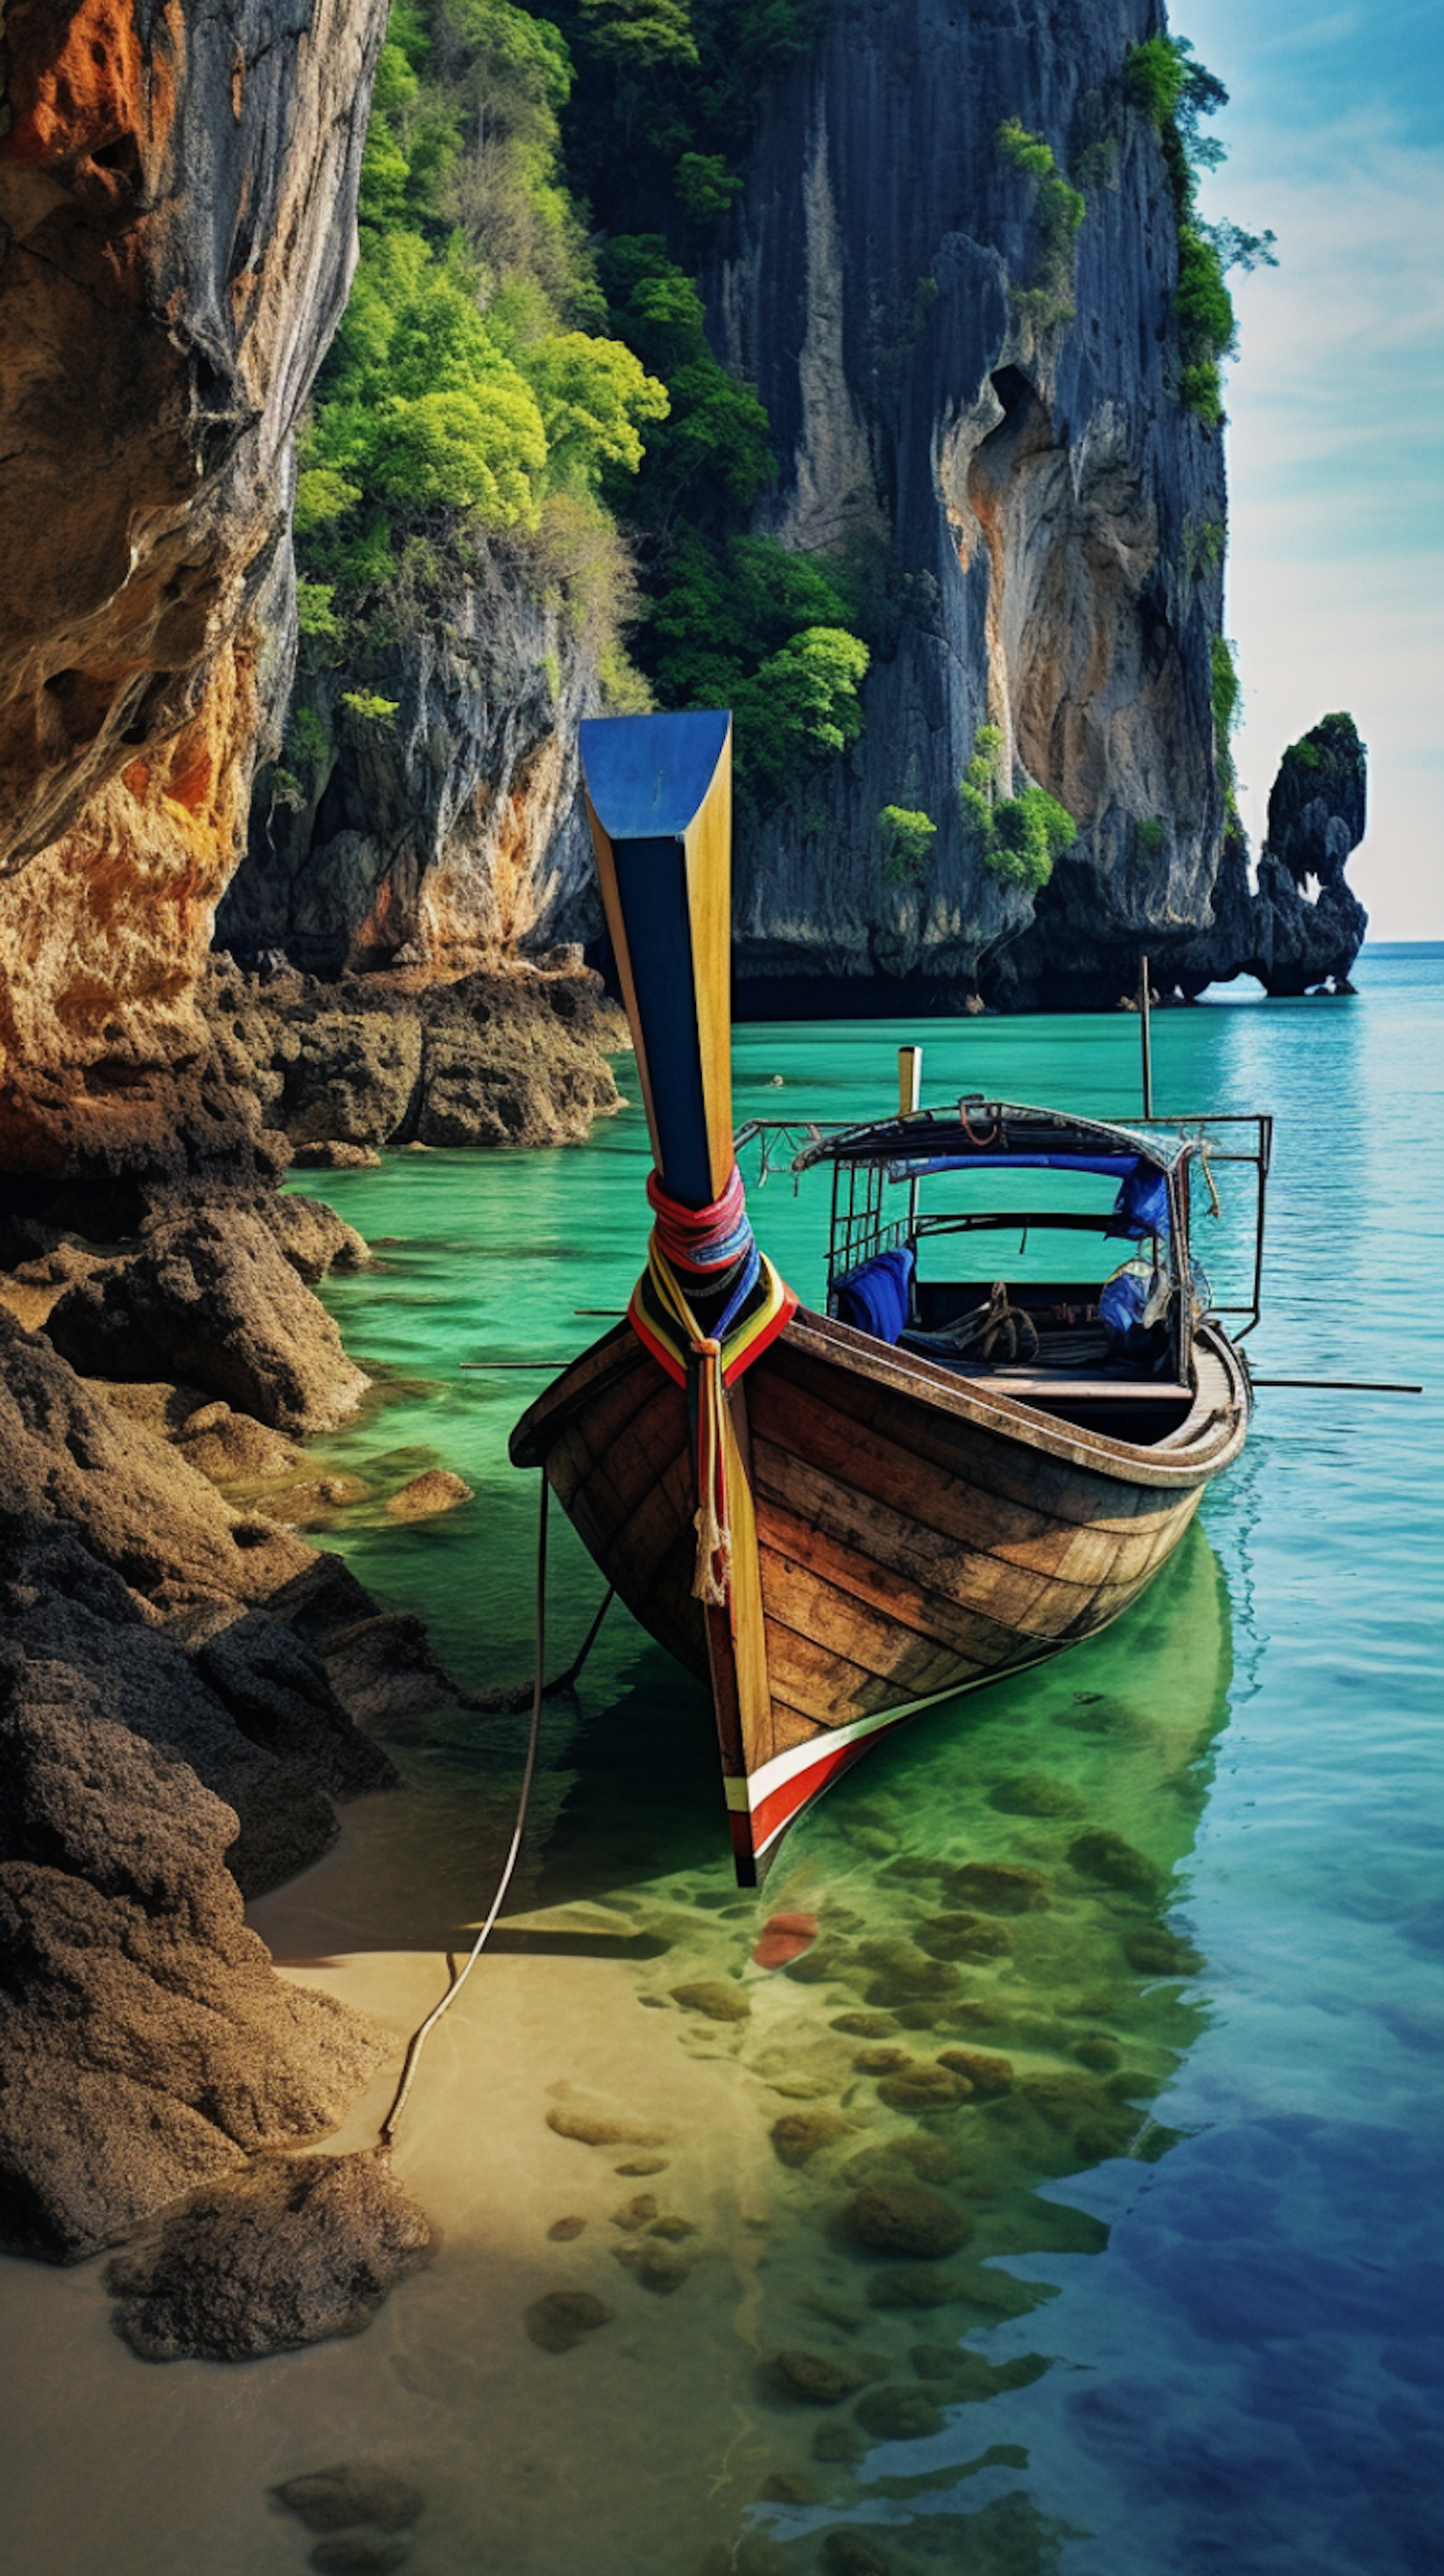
<point x="723" y="2281"/>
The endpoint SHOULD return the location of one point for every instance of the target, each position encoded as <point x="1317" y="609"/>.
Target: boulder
<point x="213" y="1298"/>
<point x="436" y="1490"/>
<point x="146" y="2042"/>
<point x="297" y="2250"/>
<point x="68" y="1452"/>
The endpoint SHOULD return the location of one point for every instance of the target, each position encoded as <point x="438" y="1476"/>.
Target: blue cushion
<point x="877" y="1297"/>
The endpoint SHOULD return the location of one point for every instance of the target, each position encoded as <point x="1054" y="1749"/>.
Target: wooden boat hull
<point x="900" y="1534"/>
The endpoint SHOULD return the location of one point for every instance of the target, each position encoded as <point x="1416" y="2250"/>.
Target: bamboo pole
<point x="1146" y="1033"/>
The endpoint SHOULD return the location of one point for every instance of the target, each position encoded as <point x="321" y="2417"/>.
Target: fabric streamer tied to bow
<point x="710" y="1255"/>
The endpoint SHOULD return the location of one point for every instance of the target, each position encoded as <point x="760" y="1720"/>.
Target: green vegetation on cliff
<point x="907" y="839"/>
<point x="1060" y="211"/>
<point x="1018" y="837"/>
<point x="495" y="379"/>
<point x="468" y="392"/>
<point x="1161" y="78"/>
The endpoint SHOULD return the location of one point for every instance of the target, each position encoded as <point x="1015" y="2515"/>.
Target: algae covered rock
<point x="899" y="2414"/>
<point x="964" y="1936"/>
<point x="801" y="2134"/>
<point x="813" y="2378"/>
<point x="1156" y="1952"/>
<point x="988" y="2076"/>
<point x="1034" y="1793"/>
<point x="436" y="1490"/>
<point x="902" y="2218"/>
<point x="920" y="2087"/>
<point x="840" y="2445"/>
<point x="914" y="2285"/>
<point x="855" y="2553"/>
<point x="1107" y="1858"/>
<point x="998" y="1887"/>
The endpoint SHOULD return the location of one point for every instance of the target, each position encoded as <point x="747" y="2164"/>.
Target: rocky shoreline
<point x="506" y="1055"/>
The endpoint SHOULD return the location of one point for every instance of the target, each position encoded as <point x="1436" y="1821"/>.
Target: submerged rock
<point x="354" y="2493"/>
<point x="1115" y="1863"/>
<point x="437" y="1490"/>
<point x="841" y="2445"/>
<point x="988" y="2076"/>
<point x="635" y="2213"/>
<point x="603" y="2128"/>
<point x="901" y="2218"/>
<point x="1157" y="1952"/>
<point x="964" y="1936"/>
<point x="1034" y="1793"/>
<point x="814" y="2379"/>
<point x="899" y="2414"/>
<point x="914" y="2285"/>
<point x="799" y="2135"/>
<point x="299" y="2250"/>
<point x="354" y="2553"/>
<point x="713" y="1997"/>
<point x="919" y="2087"/>
<point x="855" y="2553"/>
<point x="656" y="2266"/>
<point x="563" y="2318"/>
<point x="999" y="1887"/>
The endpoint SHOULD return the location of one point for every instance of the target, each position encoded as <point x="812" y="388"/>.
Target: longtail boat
<point x="836" y="1517"/>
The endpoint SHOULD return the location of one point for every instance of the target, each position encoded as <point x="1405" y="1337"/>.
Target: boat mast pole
<point x="1146" y="1033"/>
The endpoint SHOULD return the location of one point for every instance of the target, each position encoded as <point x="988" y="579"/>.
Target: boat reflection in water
<point x="967" y="1985"/>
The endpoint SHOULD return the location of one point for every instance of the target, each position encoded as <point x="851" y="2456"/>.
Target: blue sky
<point x="1336" y="409"/>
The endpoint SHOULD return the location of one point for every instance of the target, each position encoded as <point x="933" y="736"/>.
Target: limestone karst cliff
<point x="176" y="242"/>
<point x="974" y="366"/>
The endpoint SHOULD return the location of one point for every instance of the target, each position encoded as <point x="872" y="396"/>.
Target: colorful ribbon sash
<point x="692" y="1251"/>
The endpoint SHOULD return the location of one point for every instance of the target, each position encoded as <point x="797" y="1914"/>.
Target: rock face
<point x="503" y="1058"/>
<point x="146" y="2042"/>
<point x="212" y="1299"/>
<point x="1044" y="519"/>
<point x="1317" y="808"/>
<point x="176" y="196"/>
<point x="451" y="829"/>
<point x="1054" y="514"/>
<point x="170" y="1738"/>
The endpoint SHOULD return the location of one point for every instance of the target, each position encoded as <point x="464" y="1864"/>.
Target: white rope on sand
<point x="419" y="2037"/>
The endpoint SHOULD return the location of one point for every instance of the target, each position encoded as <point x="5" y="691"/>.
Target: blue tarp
<point x="1140" y="1208"/>
<point x="876" y="1298"/>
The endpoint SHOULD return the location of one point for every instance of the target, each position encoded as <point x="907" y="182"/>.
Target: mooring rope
<point x="420" y="2036"/>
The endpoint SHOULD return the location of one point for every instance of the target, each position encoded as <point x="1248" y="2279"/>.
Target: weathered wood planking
<point x="897" y="1535"/>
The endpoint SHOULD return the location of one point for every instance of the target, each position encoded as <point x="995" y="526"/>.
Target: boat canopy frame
<point x="976" y="1134"/>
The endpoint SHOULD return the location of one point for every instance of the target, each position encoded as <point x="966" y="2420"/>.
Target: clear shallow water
<point x="1194" y="2316"/>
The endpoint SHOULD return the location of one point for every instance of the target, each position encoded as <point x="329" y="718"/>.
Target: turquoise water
<point x="1219" y="2185"/>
